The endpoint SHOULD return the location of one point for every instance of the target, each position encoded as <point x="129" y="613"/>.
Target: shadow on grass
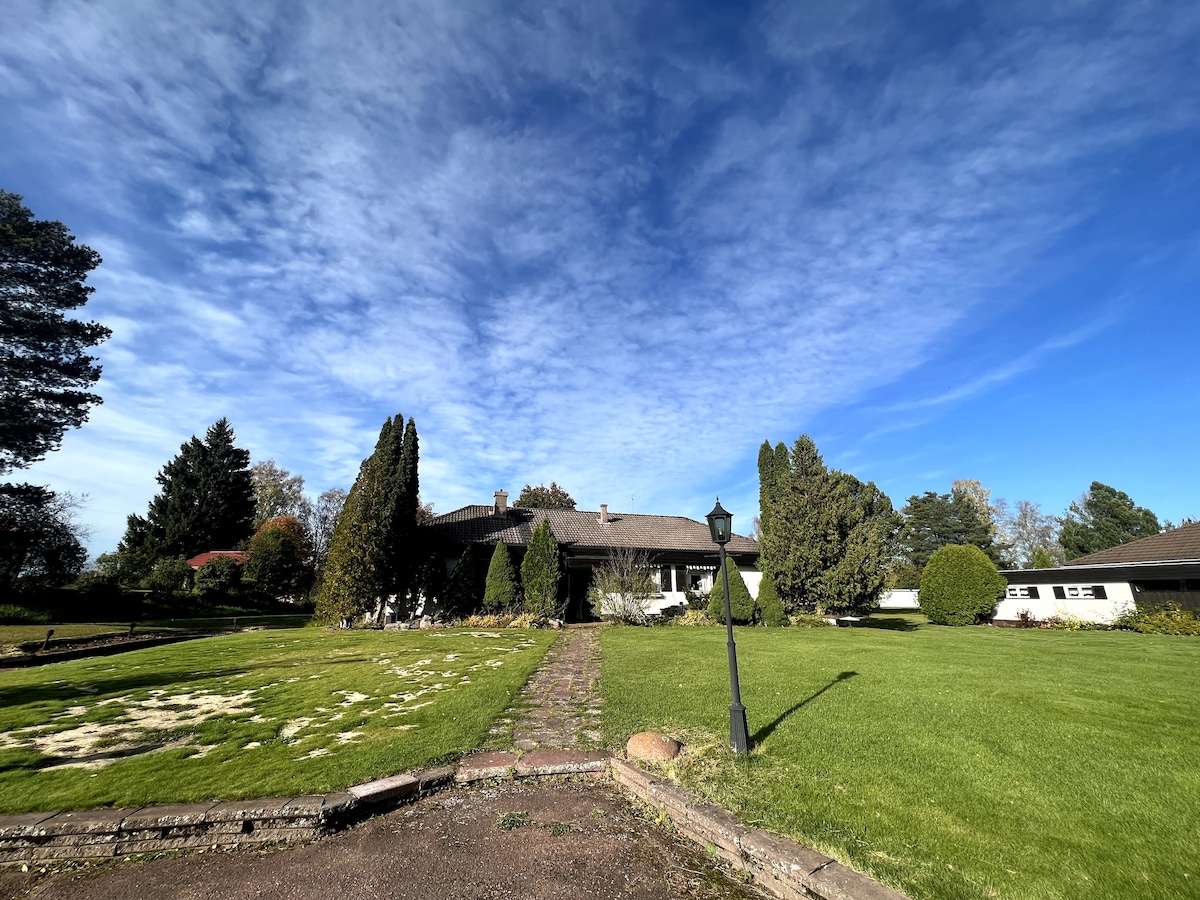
<point x="767" y="730"/>
<point x="888" y="623"/>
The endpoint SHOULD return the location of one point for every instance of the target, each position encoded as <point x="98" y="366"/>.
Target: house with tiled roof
<point x="238" y="556"/>
<point x="680" y="549"/>
<point x="1162" y="568"/>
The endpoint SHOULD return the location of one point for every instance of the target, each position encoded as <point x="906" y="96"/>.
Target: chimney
<point x="501" y="507"/>
<point x="603" y="513"/>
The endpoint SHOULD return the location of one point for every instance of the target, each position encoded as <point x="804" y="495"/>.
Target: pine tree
<point x="935" y="520"/>
<point x="500" y="592"/>
<point x="44" y="367"/>
<point x="540" y="573"/>
<point x="1104" y="517"/>
<point x="741" y="604"/>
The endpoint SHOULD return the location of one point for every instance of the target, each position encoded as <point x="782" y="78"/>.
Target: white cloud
<point x="567" y="252"/>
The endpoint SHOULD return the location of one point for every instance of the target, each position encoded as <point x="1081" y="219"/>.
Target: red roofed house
<point x="681" y="550"/>
<point x="238" y="556"/>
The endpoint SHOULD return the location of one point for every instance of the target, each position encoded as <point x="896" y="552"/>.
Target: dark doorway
<point x="579" y="579"/>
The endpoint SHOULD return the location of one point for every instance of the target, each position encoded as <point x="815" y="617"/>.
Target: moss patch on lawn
<point x="256" y="714"/>
<point x="951" y="763"/>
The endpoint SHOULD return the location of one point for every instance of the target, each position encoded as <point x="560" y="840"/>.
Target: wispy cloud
<point x="568" y="248"/>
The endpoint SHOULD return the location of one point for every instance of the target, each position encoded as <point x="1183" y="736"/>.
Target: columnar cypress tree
<point x="741" y="604"/>
<point x="770" y="607"/>
<point x="404" y="543"/>
<point x="500" y="592"/>
<point x="540" y="573"/>
<point x="464" y="589"/>
<point x="357" y="572"/>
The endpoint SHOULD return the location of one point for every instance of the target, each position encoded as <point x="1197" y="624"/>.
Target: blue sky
<point x="617" y="245"/>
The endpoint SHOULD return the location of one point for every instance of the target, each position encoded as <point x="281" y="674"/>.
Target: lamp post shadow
<point x="767" y="730"/>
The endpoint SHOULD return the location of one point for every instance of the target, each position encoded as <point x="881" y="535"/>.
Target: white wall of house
<point x="1080" y="601"/>
<point x="701" y="579"/>
<point x="899" y="599"/>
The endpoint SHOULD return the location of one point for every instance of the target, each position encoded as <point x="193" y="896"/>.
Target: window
<point x="664" y="579"/>
<point x="1023" y="592"/>
<point x="1060" y="593"/>
<point x="1098" y="592"/>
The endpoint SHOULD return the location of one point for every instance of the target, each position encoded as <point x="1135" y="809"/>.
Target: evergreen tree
<point x="935" y="520"/>
<point x="206" y="502"/>
<point x="464" y="589"/>
<point x="769" y="606"/>
<point x="1104" y="517"/>
<point x="741" y="604"/>
<point x="825" y="535"/>
<point x="406" y="551"/>
<point x="500" y="591"/>
<point x="44" y="368"/>
<point x="540" y="573"/>
<point x="357" y="574"/>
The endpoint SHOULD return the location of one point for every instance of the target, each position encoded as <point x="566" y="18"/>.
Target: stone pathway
<point x="559" y="708"/>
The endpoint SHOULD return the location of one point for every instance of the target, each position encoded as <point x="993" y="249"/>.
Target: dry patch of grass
<point x="256" y="714"/>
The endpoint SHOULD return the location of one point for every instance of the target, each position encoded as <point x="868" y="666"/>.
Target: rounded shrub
<point x="960" y="586"/>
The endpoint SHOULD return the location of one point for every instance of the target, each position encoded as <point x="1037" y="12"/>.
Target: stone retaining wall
<point x="776" y="864"/>
<point x="107" y="833"/>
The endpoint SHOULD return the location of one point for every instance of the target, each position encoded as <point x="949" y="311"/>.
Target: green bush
<point x="500" y="590"/>
<point x="11" y="614"/>
<point x="219" y="578"/>
<point x="741" y="604"/>
<point x="1169" y="618"/>
<point x="770" y="607"/>
<point x="960" y="586"/>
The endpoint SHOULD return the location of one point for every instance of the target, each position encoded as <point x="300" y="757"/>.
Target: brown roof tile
<point x="1181" y="543"/>
<point x="581" y="528"/>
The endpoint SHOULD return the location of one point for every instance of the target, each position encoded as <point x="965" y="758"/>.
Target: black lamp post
<point x="720" y="521"/>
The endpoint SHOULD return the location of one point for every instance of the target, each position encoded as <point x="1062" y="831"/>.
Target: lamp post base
<point x="739" y="733"/>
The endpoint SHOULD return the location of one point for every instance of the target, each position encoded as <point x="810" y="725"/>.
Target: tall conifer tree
<point x="206" y="501"/>
<point x="357" y="574"/>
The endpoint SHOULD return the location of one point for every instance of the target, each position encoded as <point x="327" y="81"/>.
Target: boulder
<point x="652" y="745"/>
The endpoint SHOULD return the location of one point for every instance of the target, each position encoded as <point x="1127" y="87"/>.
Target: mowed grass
<point x="950" y="763"/>
<point x="269" y="713"/>
<point x="13" y="636"/>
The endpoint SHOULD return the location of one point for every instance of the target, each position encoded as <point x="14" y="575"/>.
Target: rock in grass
<point x="652" y="745"/>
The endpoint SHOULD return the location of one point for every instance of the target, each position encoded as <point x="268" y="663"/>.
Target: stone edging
<point x="109" y="833"/>
<point x="776" y="864"/>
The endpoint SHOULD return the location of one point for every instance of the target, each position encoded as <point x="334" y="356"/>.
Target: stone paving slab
<point x="477" y="767"/>
<point x="561" y="762"/>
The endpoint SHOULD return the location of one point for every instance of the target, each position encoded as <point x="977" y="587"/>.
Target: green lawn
<point x="12" y="637"/>
<point x="255" y="714"/>
<point x="950" y="763"/>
